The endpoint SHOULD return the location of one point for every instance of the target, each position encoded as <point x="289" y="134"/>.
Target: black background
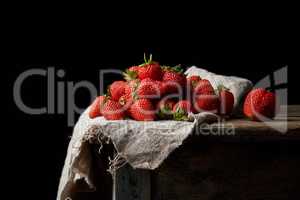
<point x="38" y="143"/>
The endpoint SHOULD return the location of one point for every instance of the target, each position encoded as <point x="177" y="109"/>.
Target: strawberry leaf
<point x="180" y="115"/>
<point x="130" y="75"/>
<point x="177" y="68"/>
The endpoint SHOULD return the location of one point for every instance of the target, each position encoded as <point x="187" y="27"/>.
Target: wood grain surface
<point x="225" y="170"/>
<point x="282" y="126"/>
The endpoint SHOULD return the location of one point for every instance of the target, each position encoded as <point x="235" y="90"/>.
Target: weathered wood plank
<point x="281" y="126"/>
<point x="247" y="127"/>
<point x="132" y="184"/>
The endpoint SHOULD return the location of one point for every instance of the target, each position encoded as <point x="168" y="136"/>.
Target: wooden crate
<point x="257" y="162"/>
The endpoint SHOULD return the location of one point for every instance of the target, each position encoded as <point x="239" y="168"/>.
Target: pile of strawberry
<point x="151" y="91"/>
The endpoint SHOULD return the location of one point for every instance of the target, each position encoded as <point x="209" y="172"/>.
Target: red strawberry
<point x="113" y="110"/>
<point x="181" y="110"/>
<point x="165" y="108"/>
<point x="226" y="100"/>
<point x="149" y="89"/>
<point x="142" y="110"/>
<point x="117" y="89"/>
<point x="259" y="102"/>
<point x="204" y="97"/>
<point x="96" y="107"/>
<point x="203" y="87"/>
<point x="173" y="79"/>
<point x="162" y="87"/>
<point x="134" y="69"/>
<point x="150" y="69"/>
<point x="209" y="103"/>
<point x="191" y="83"/>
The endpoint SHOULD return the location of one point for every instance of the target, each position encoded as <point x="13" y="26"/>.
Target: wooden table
<point x="256" y="162"/>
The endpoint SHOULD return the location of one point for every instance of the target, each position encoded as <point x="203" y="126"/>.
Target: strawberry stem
<point x="147" y="61"/>
<point x="145" y="58"/>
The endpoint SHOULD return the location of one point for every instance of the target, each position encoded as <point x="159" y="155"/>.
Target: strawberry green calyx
<point x="176" y="68"/>
<point x="180" y="115"/>
<point x="165" y="112"/>
<point x="165" y="68"/>
<point x="130" y="75"/>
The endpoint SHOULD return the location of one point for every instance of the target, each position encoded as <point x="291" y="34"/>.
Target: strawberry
<point x="191" y="83"/>
<point x="173" y="79"/>
<point x="113" y="110"/>
<point x="117" y="89"/>
<point x="96" y="107"/>
<point x="259" y="103"/>
<point x="204" y="97"/>
<point x="144" y="89"/>
<point x="165" y="108"/>
<point x="181" y="110"/>
<point x="226" y="100"/>
<point x="142" y="110"/>
<point x="150" y="69"/>
<point x="207" y="102"/>
<point x="149" y="89"/>
<point x="134" y="69"/>
<point x="203" y="87"/>
<point x="162" y="88"/>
